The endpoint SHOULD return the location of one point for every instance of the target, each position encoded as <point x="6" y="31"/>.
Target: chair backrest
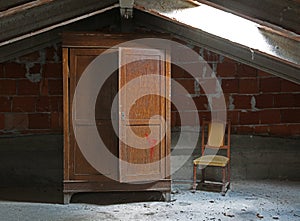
<point x="216" y="135"/>
<point x="216" y="132"/>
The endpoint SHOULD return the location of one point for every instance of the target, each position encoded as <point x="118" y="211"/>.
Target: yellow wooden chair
<point x="214" y="141"/>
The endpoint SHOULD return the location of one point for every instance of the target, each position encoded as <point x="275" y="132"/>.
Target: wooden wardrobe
<point x="80" y="51"/>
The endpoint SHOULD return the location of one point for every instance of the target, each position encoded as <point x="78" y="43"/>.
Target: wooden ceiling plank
<point x="45" y="15"/>
<point x="53" y="36"/>
<point x="4" y="5"/>
<point x="284" y="13"/>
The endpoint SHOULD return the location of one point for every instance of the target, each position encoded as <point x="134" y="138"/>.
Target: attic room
<point x="157" y="84"/>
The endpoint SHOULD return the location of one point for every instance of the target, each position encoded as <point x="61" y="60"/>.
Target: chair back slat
<point x="216" y="132"/>
<point x="215" y="138"/>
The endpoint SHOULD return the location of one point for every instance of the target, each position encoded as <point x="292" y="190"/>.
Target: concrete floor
<point x="251" y="200"/>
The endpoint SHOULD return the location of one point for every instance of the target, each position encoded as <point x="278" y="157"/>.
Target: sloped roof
<point x="35" y="15"/>
<point x="272" y="49"/>
<point x="284" y="13"/>
<point x="29" y="25"/>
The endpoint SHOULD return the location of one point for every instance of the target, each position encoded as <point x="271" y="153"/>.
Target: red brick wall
<point x="31" y="93"/>
<point x="256" y="102"/>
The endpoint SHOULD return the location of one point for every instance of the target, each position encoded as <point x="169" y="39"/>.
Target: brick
<point x="173" y="118"/>
<point x="32" y="57"/>
<point x="297" y="100"/>
<point x="209" y="86"/>
<point x="36" y="68"/>
<point x="177" y="119"/>
<point x="59" y="52"/>
<point x="39" y="121"/>
<point x="219" y="103"/>
<point x="261" y="73"/>
<point x="233" y="116"/>
<point x="2" y="121"/>
<point x="56" y="103"/>
<point x="217" y="115"/>
<point x="229" y="60"/>
<point x="54" y="53"/>
<point x="285" y="100"/>
<point x="261" y="129"/>
<point x="50" y="54"/>
<point x="272" y="84"/>
<point x="186" y="119"/>
<point x="201" y="102"/>
<point x="181" y="55"/>
<point x="204" y="115"/>
<point x="210" y="56"/>
<point x="249" y="118"/>
<point x="8" y="87"/>
<point x="188" y="84"/>
<point x="242" y="101"/>
<point x="243" y="129"/>
<point x="181" y="103"/>
<point x="173" y="108"/>
<point x="192" y="70"/>
<point x="287" y="86"/>
<point x="272" y="116"/>
<point x="197" y="49"/>
<point x="16" y="122"/>
<point x="23" y="104"/>
<point x="188" y="103"/>
<point x="290" y="116"/>
<point x="234" y="129"/>
<point x="53" y="70"/>
<point x="55" y="87"/>
<point x="280" y="130"/>
<point x="294" y="129"/>
<point x="246" y="71"/>
<point x="44" y="87"/>
<point x="5" y="104"/>
<point x="264" y="101"/>
<point x="43" y="104"/>
<point x="226" y="69"/>
<point x="230" y="85"/>
<point x="14" y="70"/>
<point x="56" y="120"/>
<point x="178" y="72"/>
<point x="26" y="87"/>
<point x="248" y="86"/>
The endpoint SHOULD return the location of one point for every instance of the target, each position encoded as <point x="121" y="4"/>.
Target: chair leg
<point x="203" y="175"/>
<point x="194" y="178"/>
<point x="228" y="175"/>
<point x="224" y="181"/>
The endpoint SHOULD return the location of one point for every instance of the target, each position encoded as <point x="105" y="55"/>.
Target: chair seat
<point x="212" y="160"/>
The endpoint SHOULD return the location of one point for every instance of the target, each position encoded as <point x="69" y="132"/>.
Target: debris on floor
<point x="251" y="200"/>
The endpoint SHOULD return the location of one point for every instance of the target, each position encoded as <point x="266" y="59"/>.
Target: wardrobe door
<point x="80" y="168"/>
<point x="142" y="103"/>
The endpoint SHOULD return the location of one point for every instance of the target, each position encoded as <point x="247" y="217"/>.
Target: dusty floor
<point x="252" y="200"/>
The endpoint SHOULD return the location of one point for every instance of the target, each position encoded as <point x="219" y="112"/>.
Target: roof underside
<point x="273" y="50"/>
<point x="30" y="25"/>
<point x="284" y="13"/>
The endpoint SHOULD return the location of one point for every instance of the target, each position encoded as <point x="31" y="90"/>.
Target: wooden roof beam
<point x="39" y="15"/>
